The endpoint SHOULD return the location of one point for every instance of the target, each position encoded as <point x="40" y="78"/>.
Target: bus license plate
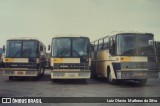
<point x="20" y="72"/>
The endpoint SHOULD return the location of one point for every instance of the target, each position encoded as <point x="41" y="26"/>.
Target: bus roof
<point x="24" y="38"/>
<point x="120" y="33"/>
<point x="69" y="36"/>
<point x="140" y="33"/>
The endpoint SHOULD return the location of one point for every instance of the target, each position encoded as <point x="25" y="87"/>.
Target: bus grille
<point x="82" y="66"/>
<point x="21" y="65"/>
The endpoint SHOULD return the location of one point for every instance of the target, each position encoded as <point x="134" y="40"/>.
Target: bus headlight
<point x="8" y="72"/>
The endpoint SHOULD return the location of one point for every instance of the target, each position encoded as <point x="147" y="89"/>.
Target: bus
<point x="70" y="58"/>
<point x="24" y="57"/>
<point x="157" y="44"/>
<point x="125" y="56"/>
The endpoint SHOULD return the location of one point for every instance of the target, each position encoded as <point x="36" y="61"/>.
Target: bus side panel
<point x="102" y="64"/>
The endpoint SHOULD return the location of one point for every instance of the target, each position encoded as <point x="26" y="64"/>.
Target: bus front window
<point x="80" y="47"/>
<point x="61" y="47"/>
<point x="70" y="47"/>
<point x="21" y="49"/>
<point x="138" y="44"/>
<point x="29" y="49"/>
<point x="13" y="49"/>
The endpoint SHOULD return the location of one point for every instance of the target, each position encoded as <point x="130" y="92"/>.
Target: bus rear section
<point x="70" y="58"/>
<point x="126" y="56"/>
<point x="24" y="58"/>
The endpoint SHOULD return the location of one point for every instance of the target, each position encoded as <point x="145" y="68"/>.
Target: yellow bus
<point x="24" y="57"/>
<point x="157" y="44"/>
<point x="128" y="56"/>
<point x="70" y="58"/>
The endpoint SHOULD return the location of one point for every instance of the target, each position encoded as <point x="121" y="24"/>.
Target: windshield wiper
<point x="64" y="51"/>
<point x="137" y="51"/>
<point x="76" y="52"/>
<point x="16" y="54"/>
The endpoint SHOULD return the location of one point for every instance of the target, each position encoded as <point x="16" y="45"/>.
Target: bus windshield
<point x="21" y="49"/>
<point x="70" y="47"/>
<point x="135" y="44"/>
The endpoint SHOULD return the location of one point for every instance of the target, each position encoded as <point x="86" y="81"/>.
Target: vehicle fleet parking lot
<point x="45" y="87"/>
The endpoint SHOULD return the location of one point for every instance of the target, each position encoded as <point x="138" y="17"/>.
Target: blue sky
<point x="93" y="18"/>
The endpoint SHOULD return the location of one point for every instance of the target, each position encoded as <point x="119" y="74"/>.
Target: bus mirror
<point x="49" y="47"/>
<point x="3" y="48"/>
<point x="41" y="48"/>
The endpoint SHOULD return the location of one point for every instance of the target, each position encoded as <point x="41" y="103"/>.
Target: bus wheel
<point x="142" y="82"/>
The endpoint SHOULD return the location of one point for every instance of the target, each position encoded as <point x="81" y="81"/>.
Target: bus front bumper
<point x="57" y="74"/>
<point x="22" y="72"/>
<point x="138" y="74"/>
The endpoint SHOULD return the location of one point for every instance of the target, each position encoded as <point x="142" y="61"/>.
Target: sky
<point x="43" y="19"/>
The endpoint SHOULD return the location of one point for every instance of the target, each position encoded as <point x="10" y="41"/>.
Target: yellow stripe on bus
<point x="58" y="60"/>
<point x="17" y="60"/>
<point x="133" y="59"/>
<point x="125" y="59"/>
<point x="65" y="60"/>
<point x="9" y="60"/>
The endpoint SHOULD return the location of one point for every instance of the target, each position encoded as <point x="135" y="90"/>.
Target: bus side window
<point x="95" y="46"/>
<point x="100" y="44"/>
<point x="106" y="44"/>
<point x="95" y="50"/>
<point x="112" y="46"/>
